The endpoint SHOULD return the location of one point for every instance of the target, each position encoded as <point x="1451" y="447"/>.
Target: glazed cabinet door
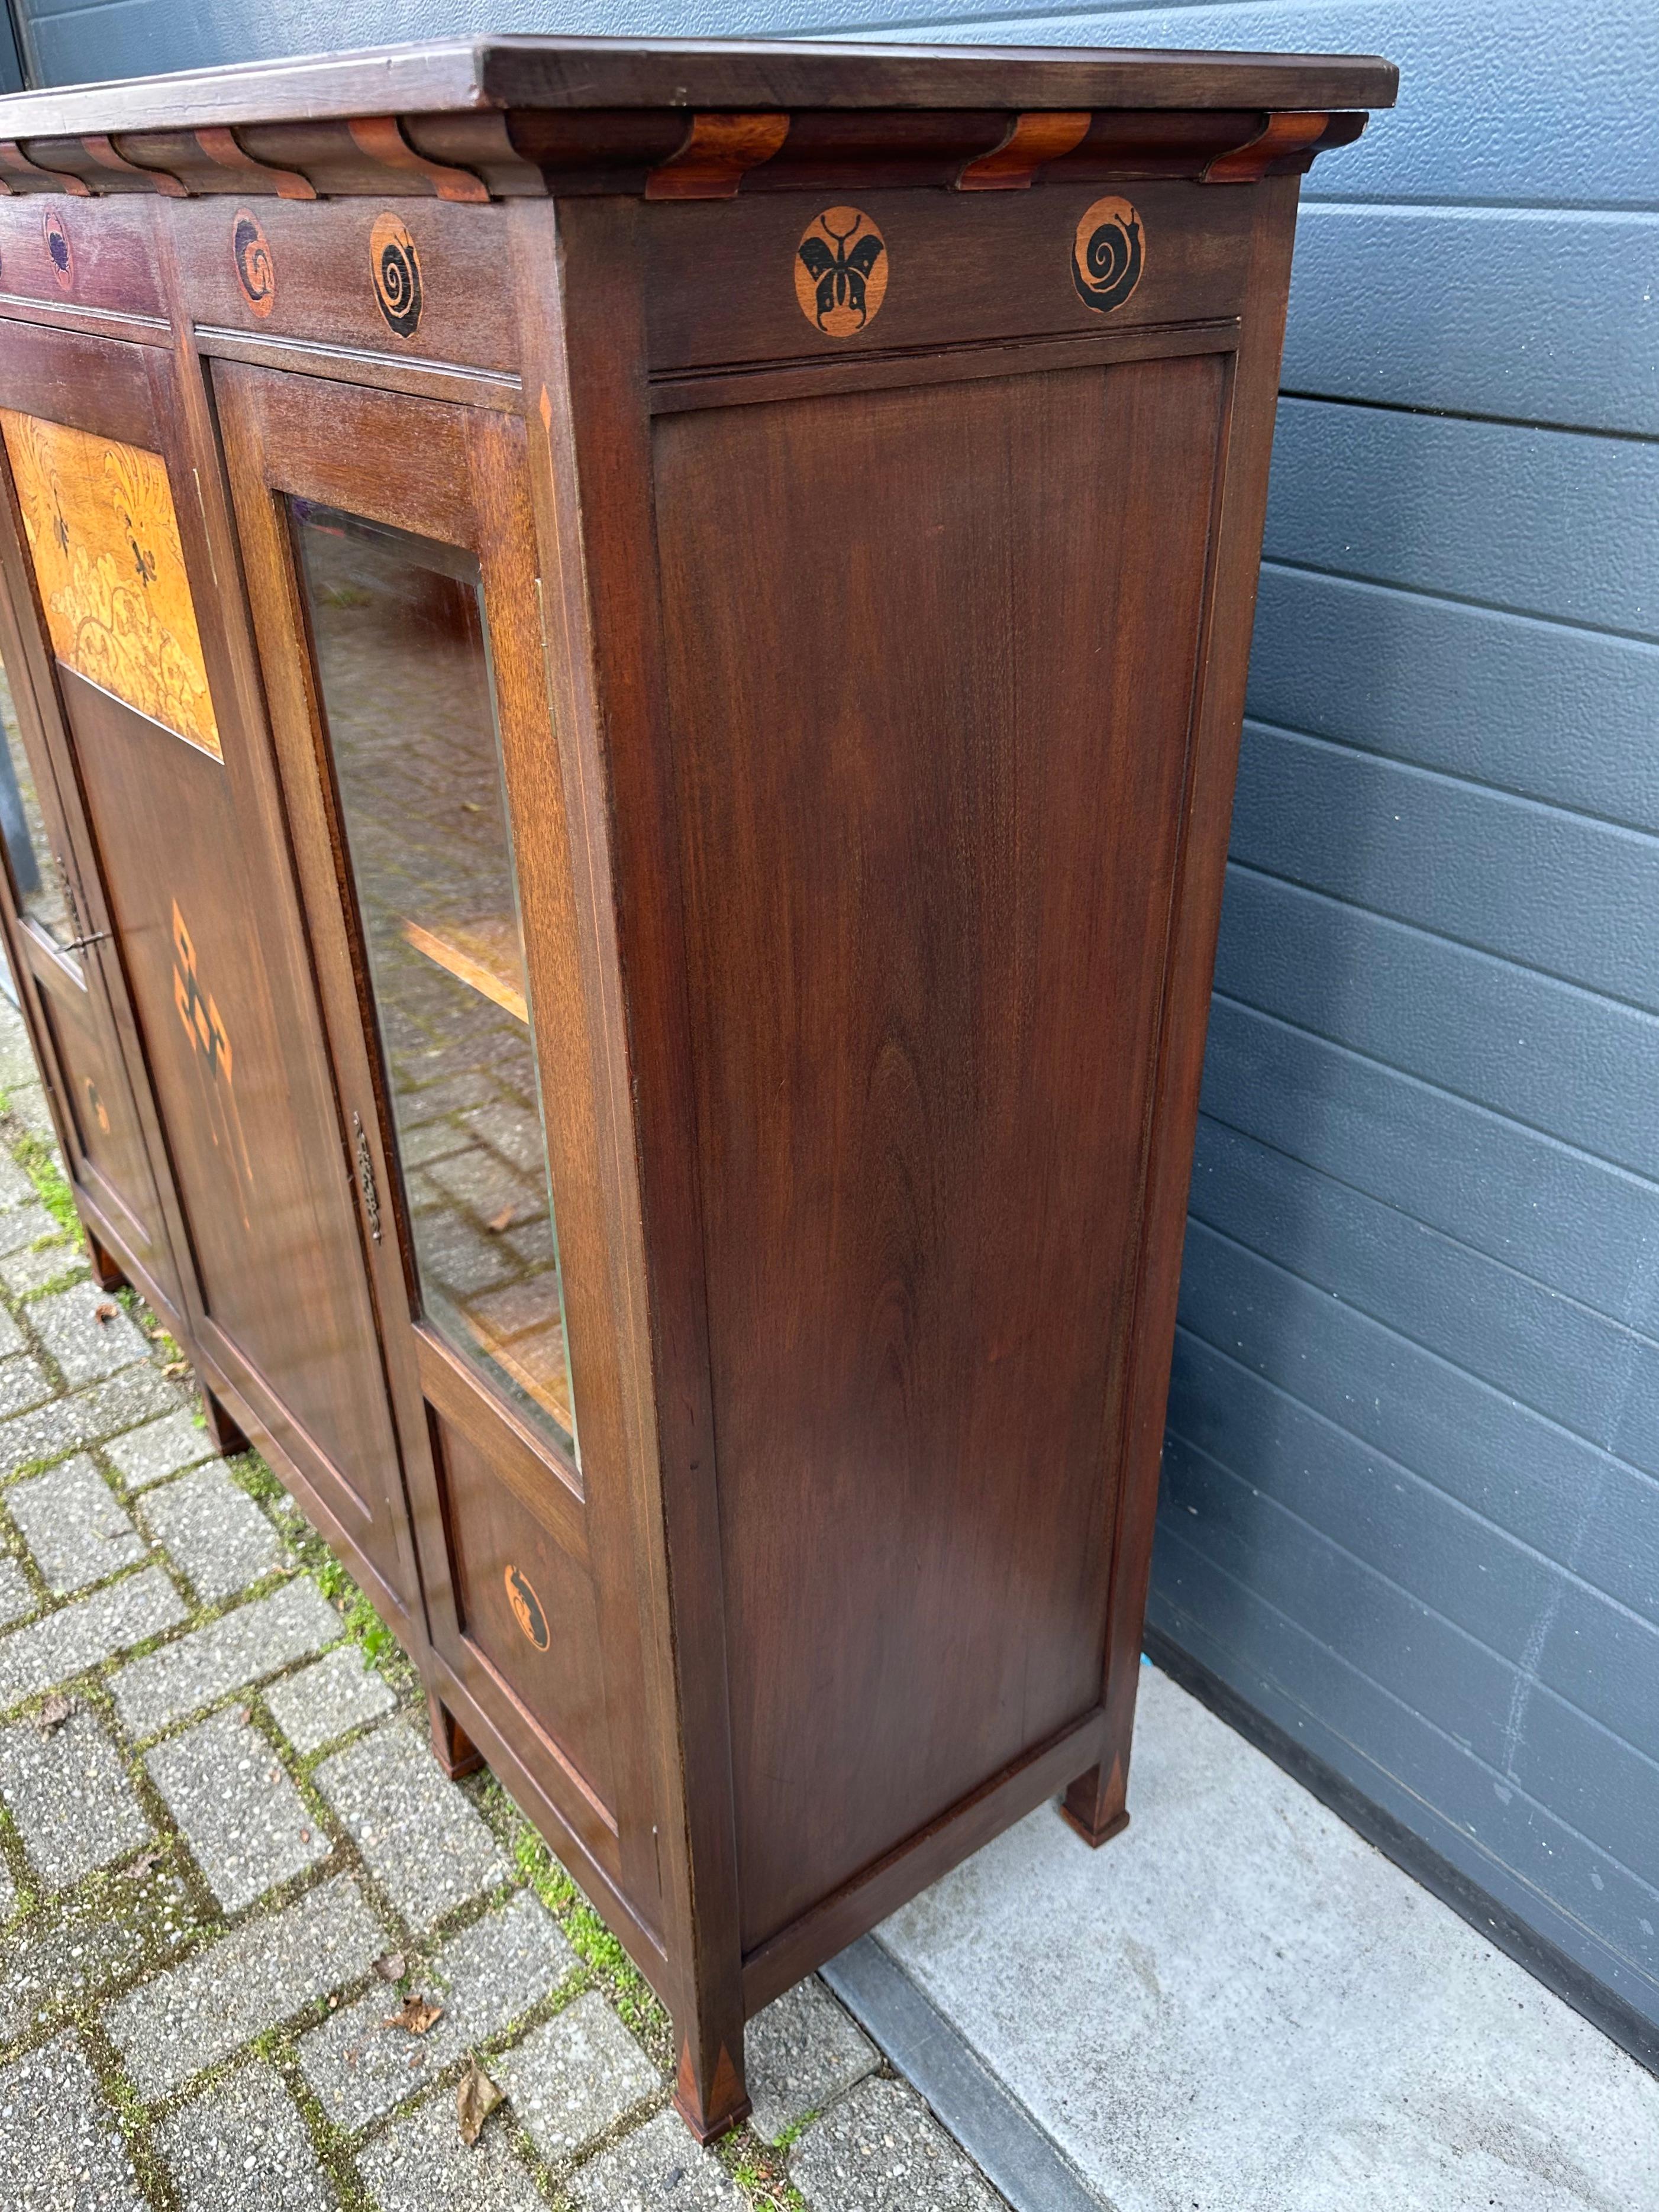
<point x="390" y="557"/>
<point x="188" y="885"/>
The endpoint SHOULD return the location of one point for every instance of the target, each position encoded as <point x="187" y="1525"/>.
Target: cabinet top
<point x="493" y="118"/>
<point x="473" y="75"/>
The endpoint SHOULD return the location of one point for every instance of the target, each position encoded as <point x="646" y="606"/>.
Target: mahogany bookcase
<point x="651" y="638"/>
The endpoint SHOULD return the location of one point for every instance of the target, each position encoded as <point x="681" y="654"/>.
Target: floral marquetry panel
<point x="104" y="538"/>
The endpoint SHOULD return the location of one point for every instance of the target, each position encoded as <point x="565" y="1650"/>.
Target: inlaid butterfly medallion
<point x="841" y="272"/>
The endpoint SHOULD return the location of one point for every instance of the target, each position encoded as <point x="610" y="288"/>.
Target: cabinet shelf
<point x="484" y="955"/>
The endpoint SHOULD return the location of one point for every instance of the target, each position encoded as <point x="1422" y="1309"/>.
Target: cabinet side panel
<point x="931" y="657"/>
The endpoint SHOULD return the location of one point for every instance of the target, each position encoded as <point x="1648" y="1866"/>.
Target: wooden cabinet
<point x="628" y="662"/>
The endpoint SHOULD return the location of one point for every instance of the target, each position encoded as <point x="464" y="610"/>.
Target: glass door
<point x="403" y="667"/>
<point x="390" y="552"/>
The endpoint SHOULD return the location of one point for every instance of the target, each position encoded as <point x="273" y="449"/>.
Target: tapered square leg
<point x="223" y="1433"/>
<point x="712" y="2098"/>
<point x="452" y="1746"/>
<point x="1094" y="1804"/>
<point x="105" y="1268"/>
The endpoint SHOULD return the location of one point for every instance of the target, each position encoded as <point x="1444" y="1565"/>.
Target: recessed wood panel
<point x="263" y="1176"/>
<point x="526" y="1605"/>
<point x="112" y="1160"/>
<point x="938" y="648"/>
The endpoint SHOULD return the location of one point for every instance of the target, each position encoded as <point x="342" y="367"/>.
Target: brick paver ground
<point x="226" y="1857"/>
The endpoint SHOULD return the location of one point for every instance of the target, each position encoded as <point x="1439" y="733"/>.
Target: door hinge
<point x="366" y="1182"/>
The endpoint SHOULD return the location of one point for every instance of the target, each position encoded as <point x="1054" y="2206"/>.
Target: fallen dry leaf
<point x="503" y="1220"/>
<point x="176" y="1367"/>
<point x="390" y="1966"/>
<point x="55" y="1712"/>
<point x="107" y="1312"/>
<point x="148" y="1861"/>
<point x="416" y="2013"/>
<point x="476" y="2099"/>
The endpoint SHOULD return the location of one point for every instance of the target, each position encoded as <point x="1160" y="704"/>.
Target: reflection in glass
<point x="404" y="667"/>
<point x="33" y="871"/>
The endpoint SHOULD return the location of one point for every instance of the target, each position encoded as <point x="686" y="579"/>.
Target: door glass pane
<point x="29" y="849"/>
<point x="403" y="662"/>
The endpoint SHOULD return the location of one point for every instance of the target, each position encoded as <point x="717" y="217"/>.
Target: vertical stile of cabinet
<point x="636" y="668"/>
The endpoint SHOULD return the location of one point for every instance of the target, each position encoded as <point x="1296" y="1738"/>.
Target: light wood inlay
<point x="104" y="539"/>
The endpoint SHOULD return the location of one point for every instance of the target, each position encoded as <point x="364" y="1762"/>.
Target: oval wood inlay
<point x="256" y="272"/>
<point x="397" y="275"/>
<point x="841" y="272"/>
<point x="1107" y="254"/>
<point x="526" y="1607"/>
<point x="59" y="252"/>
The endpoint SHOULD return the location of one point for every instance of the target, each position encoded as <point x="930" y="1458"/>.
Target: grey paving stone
<point x="243" y="2144"/>
<point x="11" y="1337"/>
<point x="320" y="1703"/>
<point x="8" y="1893"/>
<point x="136" y="1393"/>
<point x="17" y="1595"/>
<point x="419" y="1837"/>
<point x="51" y="1431"/>
<point x="575" y="2077"/>
<point x="421" y="2165"/>
<point x="246" y="1825"/>
<point x="432" y="1141"/>
<point x="660" y="2165"/>
<point x="882" y="2150"/>
<point x="60" y="2149"/>
<point x="24" y="1225"/>
<point x="214" y="1533"/>
<point x="28" y="1102"/>
<point x="800" y="2054"/>
<point x="23" y="1382"/>
<point x="515" y="1133"/>
<point x="255" y="1639"/>
<point x="159" y="1449"/>
<point x="75" y="1525"/>
<point x="73" y="1806"/>
<point x="16" y="1186"/>
<point x="66" y="1643"/>
<point x="86" y="1348"/>
<point x="27" y="1270"/>
<point x="484" y="1978"/>
<point x="16" y="1054"/>
<point x="196" y="2012"/>
<point x="76" y="1946"/>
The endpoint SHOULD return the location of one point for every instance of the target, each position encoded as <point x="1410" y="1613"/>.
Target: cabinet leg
<point x="105" y="1268"/>
<point x="710" y="2092"/>
<point x="1094" y="1804"/>
<point x="452" y="1746"/>
<point x="224" y="1435"/>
